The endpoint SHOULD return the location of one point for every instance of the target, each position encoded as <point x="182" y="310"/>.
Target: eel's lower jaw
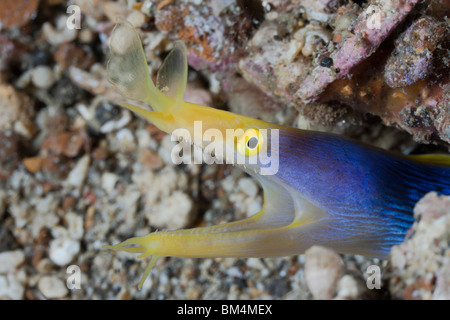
<point x="257" y="236"/>
<point x="200" y="243"/>
<point x="283" y="227"/>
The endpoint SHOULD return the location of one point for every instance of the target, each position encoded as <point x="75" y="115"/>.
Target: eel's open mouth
<point x="274" y="231"/>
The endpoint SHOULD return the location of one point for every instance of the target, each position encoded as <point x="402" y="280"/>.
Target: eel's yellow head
<point x="223" y="136"/>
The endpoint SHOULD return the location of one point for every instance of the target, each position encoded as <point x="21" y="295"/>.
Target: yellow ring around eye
<point x="250" y="142"/>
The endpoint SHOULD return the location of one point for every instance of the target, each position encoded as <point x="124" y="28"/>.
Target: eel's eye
<point x="250" y="143"/>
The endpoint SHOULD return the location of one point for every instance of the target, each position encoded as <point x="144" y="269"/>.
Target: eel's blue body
<point x="367" y="192"/>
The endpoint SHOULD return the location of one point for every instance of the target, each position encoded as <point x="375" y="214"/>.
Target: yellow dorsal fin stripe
<point x="442" y="159"/>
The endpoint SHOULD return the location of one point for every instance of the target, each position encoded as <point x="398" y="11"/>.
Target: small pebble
<point x="55" y="36"/>
<point x="248" y="186"/>
<point x="42" y="77"/>
<point x="109" y="181"/>
<point x="86" y="36"/>
<point x="63" y="250"/>
<point x="10" y="260"/>
<point x="11" y="288"/>
<point x="75" y="225"/>
<point x="348" y="288"/>
<point x="137" y="18"/>
<point x="78" y="174"/>
<point x="126" y="140"/>
<point x="256" y="263"/>
<point x="52" y="287"/>
<point x="33" y="164"/>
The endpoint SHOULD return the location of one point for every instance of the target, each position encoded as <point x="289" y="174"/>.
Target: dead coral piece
<point x="419" y="266"/>
<point x="366" y="39"/>
<point x="16" y="13"/>
<point x="323" y="269"/>
<point x="212" y="41"/>
<point x="420" y="108"/>
<point x="167" y="202"/>
<point x="412" y="58"/>
<point x="274" y="66"/>
<point x="172" y="212"/>
<point x="350" y="71"/>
